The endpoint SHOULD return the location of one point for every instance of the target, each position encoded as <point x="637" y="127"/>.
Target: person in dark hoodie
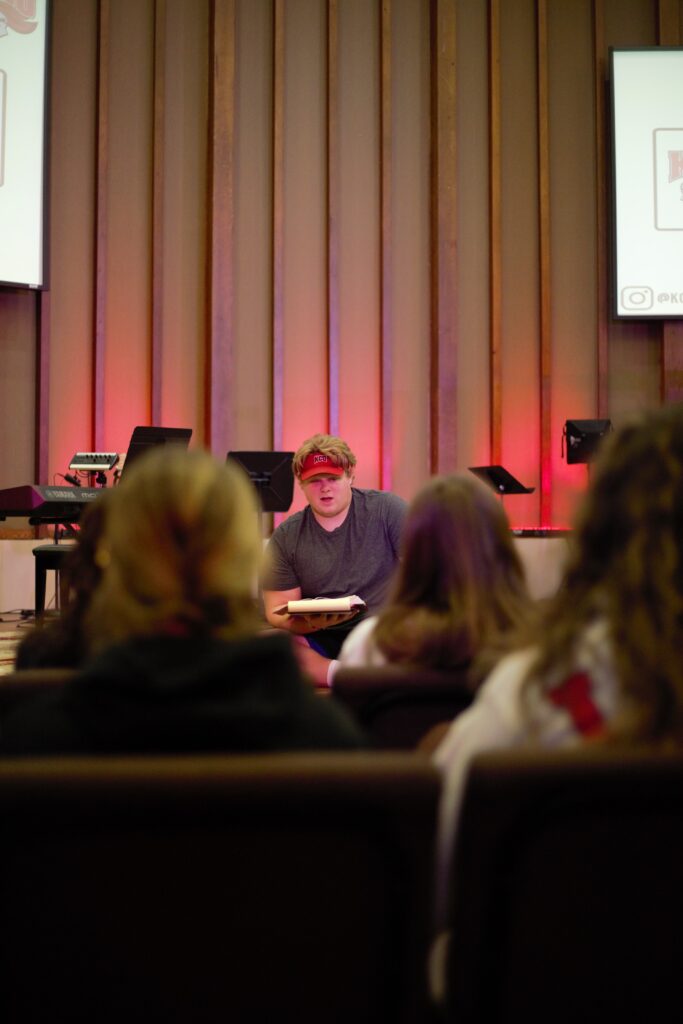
<point x="177" y="661"/>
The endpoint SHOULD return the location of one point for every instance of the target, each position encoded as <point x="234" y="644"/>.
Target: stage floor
<point x="12" y="628"/>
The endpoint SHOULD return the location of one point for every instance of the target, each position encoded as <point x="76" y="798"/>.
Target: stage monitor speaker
<point x="582" y="438"/>
<point x="271" y="475"/>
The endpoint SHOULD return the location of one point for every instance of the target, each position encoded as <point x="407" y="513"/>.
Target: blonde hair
<point x="326" y="444"/>
<point x="460" y="591"/>
<point x="181" y="548"/>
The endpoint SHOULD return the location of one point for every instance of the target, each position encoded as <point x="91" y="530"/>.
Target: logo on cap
<point x="319" y="463"/>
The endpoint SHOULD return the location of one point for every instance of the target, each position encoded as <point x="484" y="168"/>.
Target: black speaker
<point x="583" y="437"/>
<point x="271" y="475"/>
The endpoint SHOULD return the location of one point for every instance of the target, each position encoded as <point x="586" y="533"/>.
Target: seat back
<point x="25" y="683"/>
<point x="567" y="901"/>
<point x="397" y="705"/>
<point x="210" y="889"/>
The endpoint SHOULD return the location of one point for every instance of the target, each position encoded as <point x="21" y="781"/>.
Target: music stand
<point x="500" y="480"/>
<point x="271" y="474"/>
<point x="583" y="438"/>
<point x="144" y="438"/>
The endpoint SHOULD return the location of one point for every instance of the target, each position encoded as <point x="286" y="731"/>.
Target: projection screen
<point x="23" y="57"/>
<point x="647" y="138"/>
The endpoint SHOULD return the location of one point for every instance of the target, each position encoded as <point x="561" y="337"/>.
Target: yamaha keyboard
<point x="46" y="504"/>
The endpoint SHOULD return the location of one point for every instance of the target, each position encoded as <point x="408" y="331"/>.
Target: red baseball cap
<point x="317" y="464"/>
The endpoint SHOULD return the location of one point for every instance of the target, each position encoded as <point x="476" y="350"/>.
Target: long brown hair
<point x="181" y="547"/>
<point x="460" y="589"/>
<point x="626" y="569"/>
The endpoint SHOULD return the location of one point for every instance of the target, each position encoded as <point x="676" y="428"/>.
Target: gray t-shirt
<point x="357" y="558"/>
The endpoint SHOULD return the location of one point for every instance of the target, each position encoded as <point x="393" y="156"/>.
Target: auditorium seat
<point x="210" y="889"/>
<point x="26" y="683"/>
<point x="397" y="705"/>
<point x="567" y="896"/>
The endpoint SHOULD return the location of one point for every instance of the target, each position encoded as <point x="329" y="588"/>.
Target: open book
<point x="316" y="605"/>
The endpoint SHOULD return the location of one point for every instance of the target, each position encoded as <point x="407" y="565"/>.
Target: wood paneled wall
<point x="384" y="218"/>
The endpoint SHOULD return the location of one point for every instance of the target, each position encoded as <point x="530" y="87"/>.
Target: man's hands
<point x="274" y="600"/>
<point x="321" y="620"/>
<point x="299" y="624"/>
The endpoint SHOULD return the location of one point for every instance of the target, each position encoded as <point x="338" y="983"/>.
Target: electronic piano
<point x="46" y="504"/>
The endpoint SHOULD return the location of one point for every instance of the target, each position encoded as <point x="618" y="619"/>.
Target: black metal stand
<point x="499" y="480"/>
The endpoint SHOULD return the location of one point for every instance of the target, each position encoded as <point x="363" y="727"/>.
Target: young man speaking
<point x="346" y="541"/>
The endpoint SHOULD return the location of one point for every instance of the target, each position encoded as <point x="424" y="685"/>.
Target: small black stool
<point x="50" y="556"/>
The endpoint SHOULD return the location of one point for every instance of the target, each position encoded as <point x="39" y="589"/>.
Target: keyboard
<point x="92" y="461"/>
<point x="46" y="504"/>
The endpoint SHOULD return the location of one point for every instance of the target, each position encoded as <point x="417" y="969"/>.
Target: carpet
<point x="8" y="646"/>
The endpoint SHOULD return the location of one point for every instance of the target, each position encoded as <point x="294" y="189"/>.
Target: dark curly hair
<point x="626" y="569"/>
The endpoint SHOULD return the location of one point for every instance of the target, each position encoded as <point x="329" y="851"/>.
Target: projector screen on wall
<point x="647" y="138"/>
<point x="23" y="55"/>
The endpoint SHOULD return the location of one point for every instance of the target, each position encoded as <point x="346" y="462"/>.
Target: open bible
<point x="318" y="605"/>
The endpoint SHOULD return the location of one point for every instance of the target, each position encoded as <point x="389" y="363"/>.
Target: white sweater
<point x="581" y="702"/>
<point x="359" y="647"/>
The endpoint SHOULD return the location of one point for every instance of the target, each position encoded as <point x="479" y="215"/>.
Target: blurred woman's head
<point x="81" y="569"/>
<point x="626" y="569"/>
<point x="180" y="550"/>
<point x="630" y="527"/>
<point x="460" y="587"/>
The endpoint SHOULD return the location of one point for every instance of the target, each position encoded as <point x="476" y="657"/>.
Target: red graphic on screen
<point x="16" y="16"/>
<point x="675" y="164"/>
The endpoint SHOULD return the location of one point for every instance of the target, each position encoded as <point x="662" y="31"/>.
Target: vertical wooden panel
<point x="252" y="400"/>
<point x="386" y="319"/>
<point x="602" y="339"/>
<point x="130" y="148"/>
<point x="635" y="347"/>
<point x="574" y="283"/>
<point x="333" y="216"/>
<point x="304" y="313"/>
<point x="180" y="248"/>
<point x="101" y="226"/>
<point x="410" y="246"/>
<point x="668" y="22"/>
<point x="220" y="361"/>
<point x="278" y="220"/>
<point x="72" y="239"/>
<point x="444" y="240"/>
<point x="495" y="294"/>
<point x="360" y="234"/>
<point x="158" y="181"/>
<point x="43" y="389"/>
<point x="669" y="34"/>
<point x="474" y="226"/>
<point x="672" y="361"/>
<point x="520" y="257"/>
<point x="18" y="351"/>
<point x="544" y="255"/>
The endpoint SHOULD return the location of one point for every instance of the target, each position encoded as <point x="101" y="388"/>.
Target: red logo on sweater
<point x="574" y="697"/>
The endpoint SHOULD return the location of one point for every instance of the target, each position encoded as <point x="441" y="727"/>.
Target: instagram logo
<point x="637" y="296"/>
